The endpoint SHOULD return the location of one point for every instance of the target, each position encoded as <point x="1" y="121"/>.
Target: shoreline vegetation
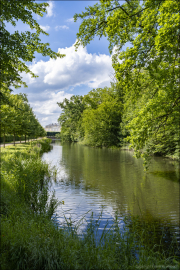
<point x="173" y="157"/>
<point x="30" y="238"/>
<point x="101" y="119"/>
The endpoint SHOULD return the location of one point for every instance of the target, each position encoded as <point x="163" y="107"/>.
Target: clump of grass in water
<point x="35" y="243"/>
<point x="115" y="249"/>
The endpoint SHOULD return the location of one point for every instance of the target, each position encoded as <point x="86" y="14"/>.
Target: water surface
<point x="89" y="178"/>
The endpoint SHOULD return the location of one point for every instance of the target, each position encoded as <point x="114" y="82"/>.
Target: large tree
<point x="148" y="70"/>
<point x="18" y="48"/>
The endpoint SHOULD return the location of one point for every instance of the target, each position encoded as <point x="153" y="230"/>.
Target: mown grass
<point x="30" y="239"/>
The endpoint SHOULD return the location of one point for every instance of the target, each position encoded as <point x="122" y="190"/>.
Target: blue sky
<point x="76" y="74"/>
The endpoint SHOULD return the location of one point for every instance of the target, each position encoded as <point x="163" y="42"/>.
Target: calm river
<point x="89" y="178"/>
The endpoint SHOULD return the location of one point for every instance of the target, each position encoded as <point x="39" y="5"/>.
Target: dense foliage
<point x="102" y="117"/>
<point x="147" y="71"/>
<point x="70" y="119"/>
<point x="18" y="119"/>
<point x="18" y="48"/>
<point x="93" y="119"/>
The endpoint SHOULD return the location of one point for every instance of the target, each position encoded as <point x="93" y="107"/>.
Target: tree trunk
<point x="4" y="140"/>
<point x="14" y="139"/>
<point x="20" y="139"/>
<point x="25" y="138"/>
<point x="28" y="138"/>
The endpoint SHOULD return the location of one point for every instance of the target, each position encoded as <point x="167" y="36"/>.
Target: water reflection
<point x="90" y="178"/>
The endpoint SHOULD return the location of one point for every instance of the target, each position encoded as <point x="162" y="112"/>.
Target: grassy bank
<point x="20" y="142"/>
<point x="31" y="240"/>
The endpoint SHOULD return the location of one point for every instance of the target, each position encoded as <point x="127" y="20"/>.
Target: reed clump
<point x="30" y="238"/>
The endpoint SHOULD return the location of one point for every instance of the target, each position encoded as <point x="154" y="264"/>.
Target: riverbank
<point x="175" y="157"/>
<point x="31" y="240"/>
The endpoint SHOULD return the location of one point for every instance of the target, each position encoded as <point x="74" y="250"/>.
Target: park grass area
<point x="30" y="238"/>
<point x="17" y="142"/>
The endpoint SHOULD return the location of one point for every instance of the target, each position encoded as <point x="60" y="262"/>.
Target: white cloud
<point x="58" y="27"/>
<point x="77" y="70"/>
<point x="45" y="28"/>
<point x="48" y="111"/>
<point x="115" y="49"/>
<point x="50" y="9"/>
<point x="70" y="20"/>
<point x="50" y="106"/>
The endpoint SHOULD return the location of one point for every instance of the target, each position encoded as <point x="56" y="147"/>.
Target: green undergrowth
<point x="30" y="238"/>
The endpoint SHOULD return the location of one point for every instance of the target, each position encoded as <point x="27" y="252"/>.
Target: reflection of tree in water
<point x="119" y="178"/>
<point x="170" y="175"/>
<point x="155" y="234"/>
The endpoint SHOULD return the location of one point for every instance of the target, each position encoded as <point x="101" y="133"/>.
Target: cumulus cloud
<point x="48" y="111"/>
<point x="45" y="28"/>
<point x="58" y="27"/>
<point x="50" y="106"/>
<point x="77" y="70"/>
<point x="50" y="9"/>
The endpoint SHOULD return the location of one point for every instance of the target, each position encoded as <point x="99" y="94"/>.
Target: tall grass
<point x="30" y="239"/>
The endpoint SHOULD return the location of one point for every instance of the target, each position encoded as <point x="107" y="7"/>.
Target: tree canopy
<point x="17" y="118"/>
<point x="93" y="119"/>
<point x="19" y="48"/>
<point x="102" y="117"/>
<point x="70" y="118"/>
<point x="147" y="71"/>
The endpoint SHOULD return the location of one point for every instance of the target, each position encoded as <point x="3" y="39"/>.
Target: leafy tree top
<point x="18" y="48"/>
<point x="148" y="70"/>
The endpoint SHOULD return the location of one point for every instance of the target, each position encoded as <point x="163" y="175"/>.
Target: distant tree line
<point x="18" y="118"/>
<point x="93" y="119"/>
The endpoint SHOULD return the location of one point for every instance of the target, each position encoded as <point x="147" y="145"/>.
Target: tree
<point x="5" y="123"/>
<point x="93" y="119"/>
<point x="17" y="118"/>
<point x="70" y="119"/>
<point x="102" y="117"/>
<point x="19" y="48"/>
<point x="148" y="70"/>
